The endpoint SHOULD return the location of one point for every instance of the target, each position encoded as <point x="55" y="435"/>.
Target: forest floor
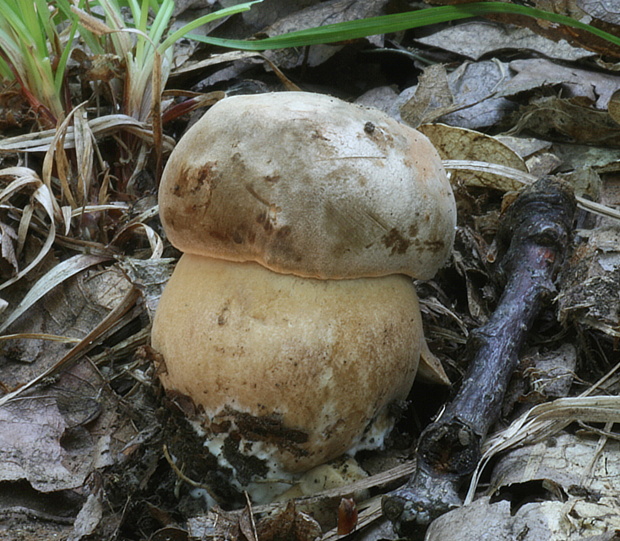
<point x="86" y="438"/>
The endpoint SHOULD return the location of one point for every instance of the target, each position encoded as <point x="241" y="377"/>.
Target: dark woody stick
<point x="536" y="231"/>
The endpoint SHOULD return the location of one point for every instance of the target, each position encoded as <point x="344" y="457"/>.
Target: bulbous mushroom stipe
<point x="291" y="320"/>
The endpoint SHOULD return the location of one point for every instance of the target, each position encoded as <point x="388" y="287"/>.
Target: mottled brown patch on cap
<point x="192" y="180"/>
<point x="396" y="242"/>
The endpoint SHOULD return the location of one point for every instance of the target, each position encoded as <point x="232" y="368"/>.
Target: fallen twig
<point x="536" y="230"/>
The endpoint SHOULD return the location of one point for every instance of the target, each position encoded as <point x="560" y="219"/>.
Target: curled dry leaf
<point x="476" y="86"/>
<point x="91" y="23"/>
<point x="155" y="242"/>
<point x="84" y="140"/>
<point x="544" y="421"/>
<point x="571" y="486"/>
<point x="7" y="250"/>
<point x="88" y="518"/>
<point x="149" y="276"/>
<point x="432" y="99"/>
<point x="49" y="281"/>
<point x="463" y="144"/>
<point x="24" y="179"/>
<point x="100" y="127"/>
<point x="56" y="161"/>
<point x="550" y="375"/>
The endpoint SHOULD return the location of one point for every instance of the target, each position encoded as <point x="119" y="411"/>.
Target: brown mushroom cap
<point x="301" y="369"/>
<point x="310" y="185"/>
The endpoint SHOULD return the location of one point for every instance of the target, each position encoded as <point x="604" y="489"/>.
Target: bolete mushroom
<point x="291" y="320"/>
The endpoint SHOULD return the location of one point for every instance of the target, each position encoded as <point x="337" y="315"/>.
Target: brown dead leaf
<point x="526" y="147"/>
<point x="475" y="39"/>
<point x="556" y="32"/>
<point x="71" y="307"/>
<point x="289" y="525"/>
<point x="555" y="490"/>
<point x="604" y="10"/>
<point x="474" y="86"/>
<point x="614" y="106"/>
<point x="149" y="276"/>
<point x="14" y="110"/>
<point x="103" y="67"/>
<point x="52" y="441"/>
<point x="574" y="82"/>
<point x="599" y="159"/>
<point x="7" y="252"/>
<point x="84" y="152"/>
<point x="30" y="449"/>
<point x="591" y="282"/>
<point x="246" y="522"/>
<point x="568" y="461"/>
<point x="471" y="100"/>
<point x="432" y="99"/>
<point x="571" y="120"/>
<point x="88" y="518"/>
<point x="91" y="23"/>
<point x="494" y="520"/>
<point x="462" y="144"/>
<point x="550" y="375"/>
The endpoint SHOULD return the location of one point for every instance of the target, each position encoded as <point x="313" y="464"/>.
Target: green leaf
<point x="183" y="32"/>
<point x="395" y="23"/>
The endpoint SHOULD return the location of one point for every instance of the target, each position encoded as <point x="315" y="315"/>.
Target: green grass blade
<point x="395" y="23"/>
<point x="43" y="28"/>
<point x="162" y="20"/>
<point x="28" y="41"/>
<point x="59" y="76"/>
<point x="183" y="32"/>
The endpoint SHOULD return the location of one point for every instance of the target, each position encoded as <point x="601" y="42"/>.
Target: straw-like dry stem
<point x="536" y="231"/>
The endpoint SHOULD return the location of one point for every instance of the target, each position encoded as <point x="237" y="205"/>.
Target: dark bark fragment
<point x="533" y="239"/>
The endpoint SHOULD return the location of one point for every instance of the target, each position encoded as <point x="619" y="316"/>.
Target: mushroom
<point x="291" y="320"/>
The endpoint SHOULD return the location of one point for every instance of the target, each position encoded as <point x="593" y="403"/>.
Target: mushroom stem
<point x="536" y="230"/>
